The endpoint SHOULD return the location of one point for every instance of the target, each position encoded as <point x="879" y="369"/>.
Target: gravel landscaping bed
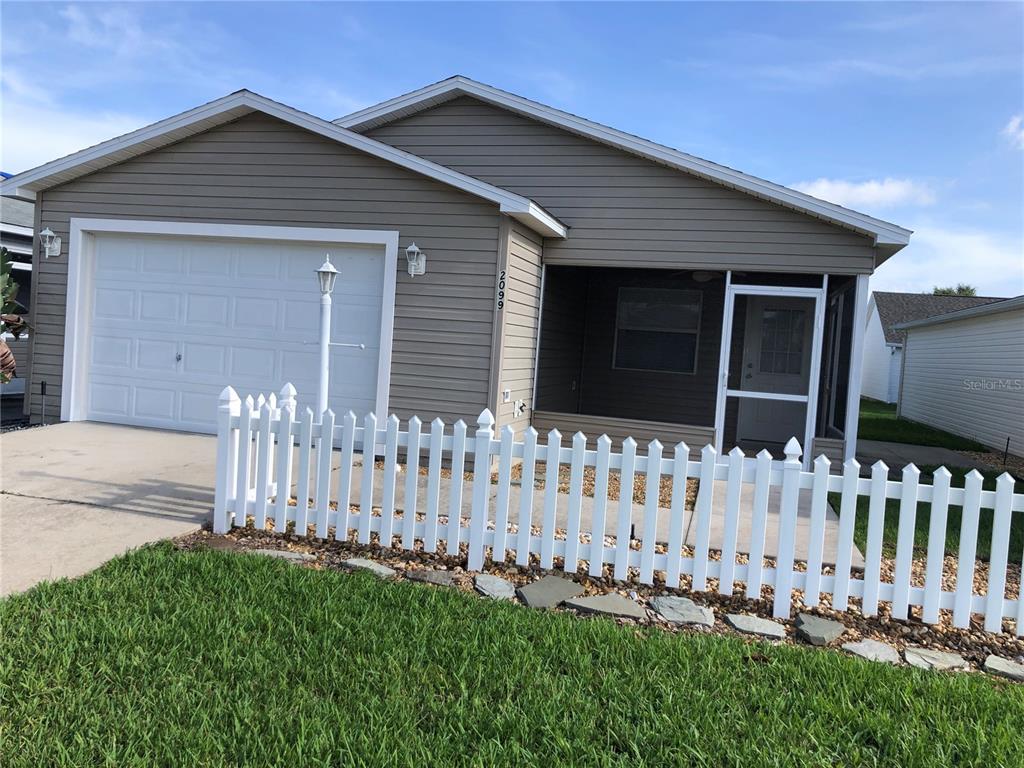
<point x="972" y="643"/>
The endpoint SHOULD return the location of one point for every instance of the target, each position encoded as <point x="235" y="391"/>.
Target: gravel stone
<point x="430" y="576"/>
<point x="755" y="625"/>
<point x="926" y="658"/>
<point x="682" y="610"/>
<point x="873" y="650"/>
<point x="549" y="592"/>
<point x="286" y="554"/>
<point x="611" y="604"/>
<point x="818" y="631"/>
<point x="494" y="587"/>
<point x="361" y="563"/>
<point x="996" y="665"/>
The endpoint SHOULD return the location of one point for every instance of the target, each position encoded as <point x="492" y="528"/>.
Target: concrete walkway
<point x="898" y="455"/>
<point x="72" y="496"/>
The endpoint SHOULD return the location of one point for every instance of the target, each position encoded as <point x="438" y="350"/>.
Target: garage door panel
<point x="204" y="360"/>
<point x="114" y="303"/>
<point x="155" y="403"/>
<point x="202" y="310"/>
<point x="111" y="351"/>
<point x="159" y="306"/>
<point x="244" y="313"/>
<point x="109" y="399"/>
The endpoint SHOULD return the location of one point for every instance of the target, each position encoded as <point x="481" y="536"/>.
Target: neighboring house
<point x="577" y="276"/>
<point x="16" y="235"/>
<point x="964" y="372"/>
<point x="883" y="339"/>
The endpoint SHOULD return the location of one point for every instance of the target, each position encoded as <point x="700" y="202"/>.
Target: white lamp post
<point x="326" y="276"/>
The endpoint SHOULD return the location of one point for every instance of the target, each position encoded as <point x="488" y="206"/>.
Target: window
<point x="656" y="329"/>
<point x="782" y="341"/>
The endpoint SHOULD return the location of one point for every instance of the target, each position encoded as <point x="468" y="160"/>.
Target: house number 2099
<point x="501" y="289"/>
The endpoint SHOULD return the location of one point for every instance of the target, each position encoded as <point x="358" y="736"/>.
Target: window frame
<point x="695" y="333"/>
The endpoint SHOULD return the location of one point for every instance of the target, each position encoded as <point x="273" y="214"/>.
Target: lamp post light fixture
<point x="326" y="277"/>
<point x="50" y="243"/>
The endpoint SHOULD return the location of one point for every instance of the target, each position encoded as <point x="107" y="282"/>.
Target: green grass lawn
<point x="878" y="421"/>
<point x="923" y="519"/>
<point x="208" y="658"/>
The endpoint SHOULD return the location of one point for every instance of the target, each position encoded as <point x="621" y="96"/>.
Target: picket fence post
<point x="284" y="457"/>
<point x="227" y="458"/>
<point x="787" y="529"/>
<point x="481" y="489"/>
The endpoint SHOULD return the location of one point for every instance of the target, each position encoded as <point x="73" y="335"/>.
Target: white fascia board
<point x="884" y="233"/>
<point x="17" y="229"/>
<point x="243" y="102"/>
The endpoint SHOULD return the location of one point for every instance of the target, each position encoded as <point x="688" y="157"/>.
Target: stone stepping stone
<point x="996" y="665"/>
<point x="494" y="587"/>
<point x="755" y="625"/>
<point x="818" y="631"/>
<point x="926" y="658"/>
<point x="682" y="610"/>
<point x="430" y="576"/>
<point x="611" y="604"/>
<point x="549" y="592"/>
<point x="873" y="650"/>
<point x="362" y="564"/>
<point x="285" y="554"/>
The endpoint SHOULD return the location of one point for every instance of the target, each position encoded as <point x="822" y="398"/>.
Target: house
<point x="16" y="235"/>
<point x="577" y="276"/>
<point x="883" y="338"/>
<point x="963" y="372"/>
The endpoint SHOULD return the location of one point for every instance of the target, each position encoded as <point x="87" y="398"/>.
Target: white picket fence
<point x="255" y="474"/>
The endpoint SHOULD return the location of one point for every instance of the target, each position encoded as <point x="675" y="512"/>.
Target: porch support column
<point x="718" y="438"/>
<point x="860" y="308"/>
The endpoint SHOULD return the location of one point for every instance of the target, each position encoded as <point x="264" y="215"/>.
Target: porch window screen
<point x="656" y="329"/>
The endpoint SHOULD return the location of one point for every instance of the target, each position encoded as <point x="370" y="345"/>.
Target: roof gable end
<point x="887" y="236"/>
<point x="235" y="105"/>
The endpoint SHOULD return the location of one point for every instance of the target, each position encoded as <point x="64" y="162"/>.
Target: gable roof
<point x="887" y="236"/>
<point x="240" y="103"/>
<point x="990" y="308"/>
<point x="896" y="309"/>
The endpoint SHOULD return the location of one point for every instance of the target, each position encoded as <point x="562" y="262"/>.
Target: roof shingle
<point x="897" y="308"/>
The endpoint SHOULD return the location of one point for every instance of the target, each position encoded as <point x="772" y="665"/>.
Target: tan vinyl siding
<point x="258" y="170"/>
<point x="624" y="210"/>
<point x="967" y="377"/>
<point x="618" y="430"/>
<point x="520" y="324"/>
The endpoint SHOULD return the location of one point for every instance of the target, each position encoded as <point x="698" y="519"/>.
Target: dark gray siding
<point x="576" y="371"/>
<point x="259" y="170"/>
<point x="624" y="210"/>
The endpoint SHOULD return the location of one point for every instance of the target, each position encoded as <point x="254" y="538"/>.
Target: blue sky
<point x="911" y="112"/>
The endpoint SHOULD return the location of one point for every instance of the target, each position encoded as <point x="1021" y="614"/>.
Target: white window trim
<point x="696" y="332"/>
<point x="81" y="262"/>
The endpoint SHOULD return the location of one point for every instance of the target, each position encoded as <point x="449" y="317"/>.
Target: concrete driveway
<point x="75" y="495"/>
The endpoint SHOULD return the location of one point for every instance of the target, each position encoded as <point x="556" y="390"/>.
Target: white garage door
<point x="175" y="319"/>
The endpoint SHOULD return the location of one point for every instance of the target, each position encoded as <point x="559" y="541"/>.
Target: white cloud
<point x="1014" y="131"/>
<point x="35" y="133"/>
<point x="939" y="255"/>
<point x="872" y="194"/>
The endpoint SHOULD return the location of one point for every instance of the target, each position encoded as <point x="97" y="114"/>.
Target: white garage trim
<point x="81" y="261"/>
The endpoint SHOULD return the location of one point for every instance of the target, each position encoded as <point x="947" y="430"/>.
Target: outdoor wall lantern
<point x="51" y="243"/>
<point x="417" y="260"/>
